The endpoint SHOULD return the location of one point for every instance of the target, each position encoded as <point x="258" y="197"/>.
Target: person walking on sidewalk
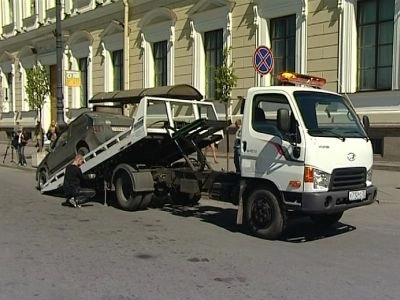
<point x="73" y="179"/>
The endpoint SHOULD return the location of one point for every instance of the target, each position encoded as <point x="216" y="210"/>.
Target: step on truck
<point x="303" y="150"/>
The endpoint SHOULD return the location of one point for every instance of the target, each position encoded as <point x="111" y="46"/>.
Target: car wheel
<point x="42" y="178"/>
<point x="83" y="150"/>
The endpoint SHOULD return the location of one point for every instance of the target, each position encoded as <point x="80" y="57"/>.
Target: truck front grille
<point x="348" y="178"/>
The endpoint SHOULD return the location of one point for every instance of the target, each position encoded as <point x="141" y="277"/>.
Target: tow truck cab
<point x="309" y="147"/>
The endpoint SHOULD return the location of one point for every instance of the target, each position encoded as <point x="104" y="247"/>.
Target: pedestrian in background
<point x="213" y="148"/>
<point x="21" y="143"/>
<point x="39" y="136"/>
<point x="236" y="145"/>
<point x="52" y="132"/>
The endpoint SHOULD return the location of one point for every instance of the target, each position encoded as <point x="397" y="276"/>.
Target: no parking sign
<point x="263" y="60"/>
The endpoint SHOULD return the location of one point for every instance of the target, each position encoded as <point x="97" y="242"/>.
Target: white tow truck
<point x="303" y="151"/>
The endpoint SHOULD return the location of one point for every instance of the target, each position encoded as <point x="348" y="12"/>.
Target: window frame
<point x="212" y="53"/>
<point x="203" y="19"/>
<point x="117" y="62"/>
<point x="160" y="63"/>
<point x="156" y="26"/>
<point x="347" y="66"/>
<point x="264" y="11"/>
<point x="362" y="69"/>
<point x="286" y="38"/>
<point x="84" y="89"/>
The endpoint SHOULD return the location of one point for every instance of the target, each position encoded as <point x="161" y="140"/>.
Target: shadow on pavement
<point x="299" y="229"/>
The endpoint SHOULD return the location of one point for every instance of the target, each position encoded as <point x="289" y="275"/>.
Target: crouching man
<point x="73" y="179"/>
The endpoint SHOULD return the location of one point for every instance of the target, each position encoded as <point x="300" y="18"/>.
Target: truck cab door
<point x="266" y="149"/>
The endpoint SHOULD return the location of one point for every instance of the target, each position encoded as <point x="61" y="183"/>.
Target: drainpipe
<point x="126" y="44"/>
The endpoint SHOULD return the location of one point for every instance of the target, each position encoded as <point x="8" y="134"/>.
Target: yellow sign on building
<point x="73" y="78"/>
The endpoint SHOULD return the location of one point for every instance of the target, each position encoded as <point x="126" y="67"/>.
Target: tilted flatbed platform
<point x="164" y="130"/>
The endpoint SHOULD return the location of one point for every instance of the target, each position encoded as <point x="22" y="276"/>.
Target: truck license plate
<point x="357" y="195"/>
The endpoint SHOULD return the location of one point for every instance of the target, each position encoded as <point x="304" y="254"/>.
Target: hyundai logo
<point x="351" y="156"/>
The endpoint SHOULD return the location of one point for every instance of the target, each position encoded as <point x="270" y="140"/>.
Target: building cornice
<point x="14" y="43"/>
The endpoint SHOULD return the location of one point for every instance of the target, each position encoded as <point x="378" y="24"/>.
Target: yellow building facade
<point x="126" y="44"/>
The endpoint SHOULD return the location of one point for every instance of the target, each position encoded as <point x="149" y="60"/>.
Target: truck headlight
<point x="318" y="178"/>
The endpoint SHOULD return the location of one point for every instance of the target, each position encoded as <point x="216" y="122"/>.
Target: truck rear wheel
<point x="146" y="200"/>
<point x="326" y="219"/>
<point x="126" y="197"/>
<point x="265" y="216"/>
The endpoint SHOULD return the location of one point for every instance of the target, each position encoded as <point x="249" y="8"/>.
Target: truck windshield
<point x="328" y="115"/>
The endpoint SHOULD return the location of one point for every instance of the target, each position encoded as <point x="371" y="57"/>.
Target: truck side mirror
<point x="365" y="120"/>
<point x="283" y="119"/>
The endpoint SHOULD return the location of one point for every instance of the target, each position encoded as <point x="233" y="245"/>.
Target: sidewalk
<point x="30" y="150"/>
<point x="9" y="156"/>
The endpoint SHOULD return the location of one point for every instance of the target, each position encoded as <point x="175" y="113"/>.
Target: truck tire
<point x="146" y="201"/>
<point x="126" y="197"/>
<point x="325" y="220"/>
<point x="265" y="216"/>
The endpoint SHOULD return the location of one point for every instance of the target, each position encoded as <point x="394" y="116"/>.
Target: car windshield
<point x="326" y="114"/>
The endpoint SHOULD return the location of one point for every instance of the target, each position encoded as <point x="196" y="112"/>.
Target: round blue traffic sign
<point x="263" y="60"/>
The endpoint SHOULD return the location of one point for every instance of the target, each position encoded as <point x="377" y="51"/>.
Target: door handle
<point x="244" y="146"/>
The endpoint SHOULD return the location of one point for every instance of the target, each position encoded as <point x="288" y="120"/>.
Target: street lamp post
<point x="59" y="56"/>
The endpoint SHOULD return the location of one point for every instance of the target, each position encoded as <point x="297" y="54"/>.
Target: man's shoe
<point x="72" y="202"/>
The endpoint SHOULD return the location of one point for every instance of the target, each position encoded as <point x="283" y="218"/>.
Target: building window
<point x="8" y="93"/>
<point x="213" y="49"/>
<point x="29" y="8"/>
<point x="375" y="44"/>
<point x="283" y="44"/>
<point x="9" y="12"/>
<point x="32" y="7"/>
<point x="118" y="69"/>
<point x="51" y="4"/>
<point x="83" y="63"/>
<point x="160" y="63"/>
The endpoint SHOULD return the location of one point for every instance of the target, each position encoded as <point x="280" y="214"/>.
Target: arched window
<point x="158" y="37"/>
<point x="112" y="48"/>
<point x="211" y="25"/>
<point x="282" y="26"/>
<point x="80" y="59"/>
<point x="7" y="68"/>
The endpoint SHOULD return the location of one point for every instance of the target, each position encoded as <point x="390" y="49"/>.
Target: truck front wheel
<point x="326" y="219"/>
<point x="265" y="216"/>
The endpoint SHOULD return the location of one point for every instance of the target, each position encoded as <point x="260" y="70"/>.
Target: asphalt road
<point x="49" y="251"/>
